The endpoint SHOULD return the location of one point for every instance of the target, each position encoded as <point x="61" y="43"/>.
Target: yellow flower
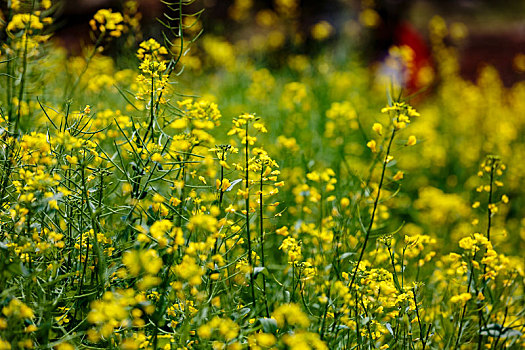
<point x="369" y="18"/>
<point x="378" y="128"/>
<point x="107" y="21"/>
<point x="467" y="243"/>
<point x="22" y="20"/>
<point x="283" y="231"/>
<point x="146" y="260"/>
<point x="189" y="270"/>
<point x="493" y="208"/>
<point x="157" y="157"/>
<point x="461" y="298"/>
<point x="293" y="249"/>
<point x="291" y="315"/>
<point x="31" y="328"/>
<point x="65" y="346"/>
<point x="202" y="221"/>
<point x="158" y="198"/>
<point x="265" y="339"/>
<point x="175" y="201"/>
<point x="398" y="176"/>
<point x="4" y="344"/>
<point x="372" y="145"/>
<point x="18" y="309"/>
<point x="322" y="30"/>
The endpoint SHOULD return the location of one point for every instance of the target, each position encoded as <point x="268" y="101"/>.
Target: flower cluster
<point x="107" y="21"/>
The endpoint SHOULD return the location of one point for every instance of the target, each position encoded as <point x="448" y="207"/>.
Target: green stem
<point x="489" y="224"/>
<point x="261" y="223"/>
<point x="489" y="214"/>
<point x="248" y="235"/>
<point x="376" y="202"/>
<point x="465" y="306"/>
<point x="22" y="78"/>
<point x="152" y="114"/>
<point x="323" y="322"/>
<point x="421" y="328"/>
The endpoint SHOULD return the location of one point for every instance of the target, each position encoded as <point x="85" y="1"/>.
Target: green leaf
<point x="259" y="270"/>
<point x="269" y="325"/>
<point x="496" y="330"/>
<point x="17" y="269"/>
<point x="233" y="183"/>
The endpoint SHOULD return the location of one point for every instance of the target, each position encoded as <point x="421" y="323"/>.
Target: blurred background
<point x="483" y="31"/>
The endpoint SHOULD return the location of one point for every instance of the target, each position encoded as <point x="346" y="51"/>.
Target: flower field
<point x="201" y="191"/>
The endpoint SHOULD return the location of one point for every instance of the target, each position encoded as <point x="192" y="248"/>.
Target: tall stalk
<point x="376" y="202"/>
<point x="247" y="195"/>
<point x="489" y="224"/>
<point x="489" y="212"/>
<point x="463" y="312"/>
<point x="261" y="228"/>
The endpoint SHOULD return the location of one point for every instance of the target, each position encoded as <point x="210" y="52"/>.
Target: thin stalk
<point x="394" y="273"/>
<point x="325" y="312"/>
<point x="152" y="112"/>
<point x="216" y="245"/>
<point x="336" y="271"/>
<point x="248" y="235"/>
<point x="370" y="337"/>
<point x="403" y="267"/>
<point x="489" y="212"/>
<point x="421" y="327"/>
<point x="7" y="169"/>
<point x="358" y="332"/>
<point x="495" y="344"/>
<point x="160" y="311"/>
<point x="22" y="78"/>
<point x="221" y="191"/>
<point x="69" y="210"/>
<point x="292" y="297"/>
<point x="9" y="83"/>
<point x="376" y="202"/>
<point x="480" y="336"/>
<point x="85" y="264"/>
<point x="465" y="306"/>
<point x="489" y="224"/>
<point x="261" y="227"/>
<point x="173" y="62"/>
<point x="21" y="91"/>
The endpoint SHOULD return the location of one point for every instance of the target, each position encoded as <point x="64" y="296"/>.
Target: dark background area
<point x="496" y="29"/>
